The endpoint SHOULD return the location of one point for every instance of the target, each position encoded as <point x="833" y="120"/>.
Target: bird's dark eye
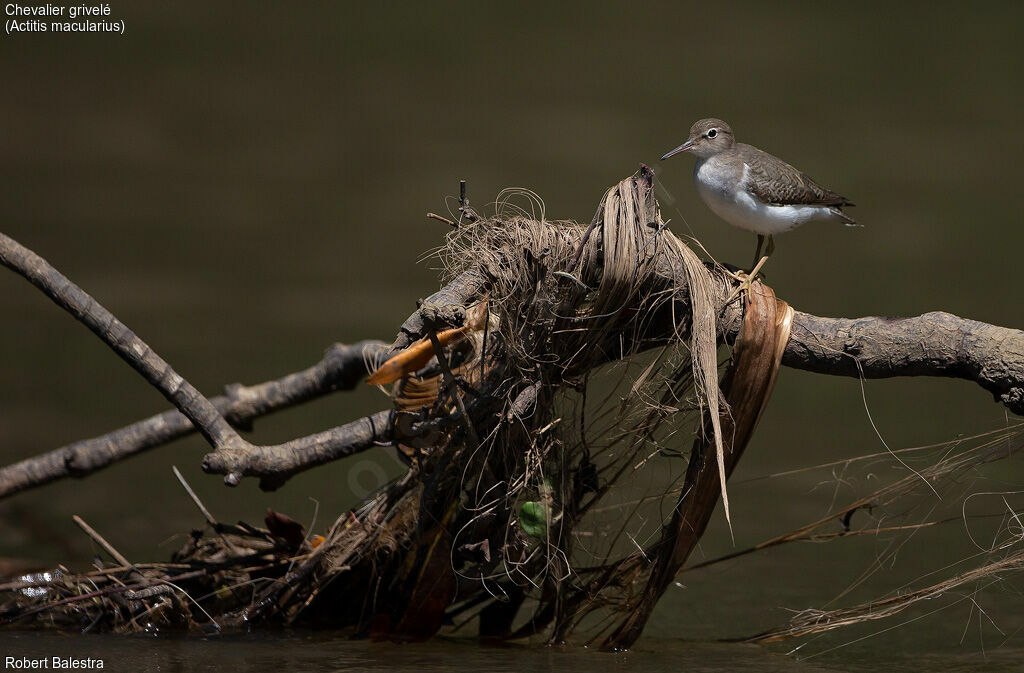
<point x="712" y="133"/>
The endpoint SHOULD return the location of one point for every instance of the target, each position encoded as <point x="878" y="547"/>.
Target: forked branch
<point x="233" y="456"/>
<point x="342" y="368"/>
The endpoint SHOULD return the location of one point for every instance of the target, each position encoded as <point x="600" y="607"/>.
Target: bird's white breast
<point x="724" y="190"/>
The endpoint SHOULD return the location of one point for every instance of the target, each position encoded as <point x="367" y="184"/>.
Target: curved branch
<point x="933" y="344"/>
<point x="274" y="465"/>
<point x="233" y="456"/>
<point x="342" y="368"/>
<point x="73" y="299"/>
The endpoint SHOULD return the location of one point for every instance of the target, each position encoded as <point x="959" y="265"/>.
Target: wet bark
<point x="933" y="344"/>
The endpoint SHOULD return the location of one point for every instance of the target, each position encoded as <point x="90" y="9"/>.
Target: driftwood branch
<point x="444" y="308"/>
<point x="933" y="344"/>
<point x="179" y="392"/>
<point x="342" y="368"/>
<point x="274" y="465"/>
<point x="233" y="456"/>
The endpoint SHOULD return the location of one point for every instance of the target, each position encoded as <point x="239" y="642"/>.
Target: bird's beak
<point x="685" y="147"/>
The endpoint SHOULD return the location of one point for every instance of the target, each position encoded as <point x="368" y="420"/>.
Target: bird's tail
<point x="843" y="217"/>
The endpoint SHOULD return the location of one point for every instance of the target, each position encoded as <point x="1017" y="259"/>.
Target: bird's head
<point x="707" y="138"/>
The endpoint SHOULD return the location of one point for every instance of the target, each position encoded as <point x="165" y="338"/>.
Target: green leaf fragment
<point x="533" y="518"/>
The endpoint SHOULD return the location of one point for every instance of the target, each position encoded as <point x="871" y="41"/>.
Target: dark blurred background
<point x="245" y="184"/>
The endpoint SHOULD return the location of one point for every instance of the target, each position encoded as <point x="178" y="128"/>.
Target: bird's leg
<point x="757" y="253"/>
<point x="756" y="264"/>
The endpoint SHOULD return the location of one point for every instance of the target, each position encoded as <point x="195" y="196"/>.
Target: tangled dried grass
<point x="552" y="330"/>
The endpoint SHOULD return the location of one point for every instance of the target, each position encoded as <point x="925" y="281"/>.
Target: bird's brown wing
<point x="774" y="181"/>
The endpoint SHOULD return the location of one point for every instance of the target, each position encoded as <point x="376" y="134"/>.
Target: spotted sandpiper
<point x="753" y="190"/>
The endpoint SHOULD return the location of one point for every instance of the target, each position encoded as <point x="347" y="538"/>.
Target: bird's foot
<point x="745" y="279"/>
<point x="735" y="273"/>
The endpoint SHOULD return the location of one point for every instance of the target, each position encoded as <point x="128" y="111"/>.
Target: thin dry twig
<point x="101" y="541"/>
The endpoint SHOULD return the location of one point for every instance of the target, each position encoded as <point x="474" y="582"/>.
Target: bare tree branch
<point x="274" y="465"/>
<point x="875" y="347"/>
<point x="933" y="344"/>
<point x="232" y="456"/>
<point x="121" y="340"/>
<point x="342" y="368"/>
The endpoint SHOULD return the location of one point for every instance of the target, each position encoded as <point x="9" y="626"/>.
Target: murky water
<point x="315" y="652"/>
<point x="243" y="188"/>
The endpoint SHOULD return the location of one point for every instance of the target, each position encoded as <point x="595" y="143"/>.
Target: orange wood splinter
<point x="416" y="356"/>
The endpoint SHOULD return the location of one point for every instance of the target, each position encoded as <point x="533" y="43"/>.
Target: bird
<point x="755" y="191"/>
